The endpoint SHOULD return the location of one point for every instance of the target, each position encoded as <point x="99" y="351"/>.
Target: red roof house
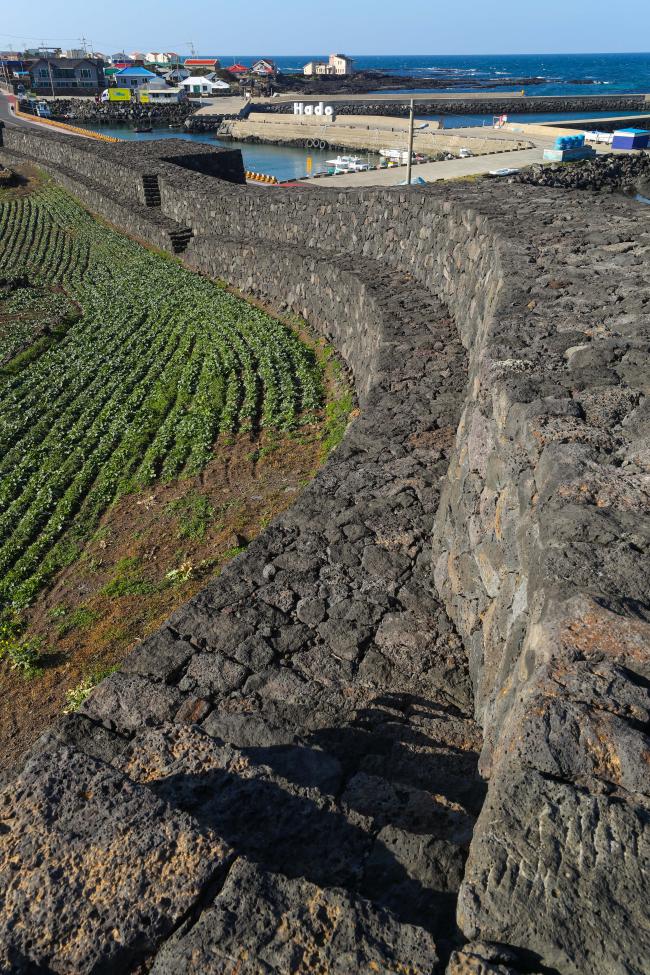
<point x="209" y="64"/>
<point x="238" y="69"/>
<point x="264" y="66"/>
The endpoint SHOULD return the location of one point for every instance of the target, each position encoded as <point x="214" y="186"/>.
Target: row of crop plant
<point x="139" y="387"/>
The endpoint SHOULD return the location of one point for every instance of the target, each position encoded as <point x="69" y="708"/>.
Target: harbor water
<point x="283" y="162"/>
<point x="290" y="162"/>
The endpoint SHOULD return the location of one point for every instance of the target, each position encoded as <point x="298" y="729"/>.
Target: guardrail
<point x="261" y="177"/>
<point x="75" y="129"/>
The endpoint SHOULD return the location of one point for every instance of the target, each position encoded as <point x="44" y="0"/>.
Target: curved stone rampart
<point x="320" y="685"/>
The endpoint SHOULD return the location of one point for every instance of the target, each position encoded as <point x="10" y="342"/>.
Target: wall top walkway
<point x="295" y="743"/>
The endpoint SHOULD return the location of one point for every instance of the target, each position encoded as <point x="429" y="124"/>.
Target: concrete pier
<point x="368" y="133"/>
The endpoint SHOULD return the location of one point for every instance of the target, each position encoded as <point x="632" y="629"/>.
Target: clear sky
<point x="354" y="26"/>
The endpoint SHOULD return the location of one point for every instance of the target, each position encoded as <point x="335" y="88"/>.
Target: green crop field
<point x="142" y="366"/>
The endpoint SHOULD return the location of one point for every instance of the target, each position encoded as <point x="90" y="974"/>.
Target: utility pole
<point x="409" y="160"/>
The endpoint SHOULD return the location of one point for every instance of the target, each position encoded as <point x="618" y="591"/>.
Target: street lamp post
<point x="409" y="160"/>
<point x="49" y="68"/>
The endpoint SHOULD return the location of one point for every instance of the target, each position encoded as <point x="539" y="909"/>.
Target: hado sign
<point x="299" y="108"/>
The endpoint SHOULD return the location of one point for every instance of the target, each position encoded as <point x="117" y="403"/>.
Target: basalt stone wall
<point x="541" y="538"/>
<point x="470" y="106"/>
<point x="119" y="168"/>
<point x="445" y="244"/>
<point x="92" y="159"/>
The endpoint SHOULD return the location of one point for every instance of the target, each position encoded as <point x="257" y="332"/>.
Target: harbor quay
<point x="365" y="132"/>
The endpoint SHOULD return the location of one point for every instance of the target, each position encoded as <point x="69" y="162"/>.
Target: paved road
<point x="222" y="105"/>
<point x="8" y="117"/>
<point x="449" y="169"/>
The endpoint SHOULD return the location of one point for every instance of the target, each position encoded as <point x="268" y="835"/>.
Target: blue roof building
<point x="133" y="77"/>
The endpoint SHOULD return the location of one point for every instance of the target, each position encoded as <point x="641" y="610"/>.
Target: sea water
<point x="609" y="74"/>
<point x="606" y="74"/>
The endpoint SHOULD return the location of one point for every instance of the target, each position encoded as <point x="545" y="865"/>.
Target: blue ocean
<point x="606" y="73"/>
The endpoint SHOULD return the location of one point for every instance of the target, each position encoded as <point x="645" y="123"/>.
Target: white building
<point x="161" y="57"/>
<point x="338" y="64"/>
<point x="200" y="85"/>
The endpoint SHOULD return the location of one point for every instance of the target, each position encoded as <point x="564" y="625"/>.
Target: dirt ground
<point x="151" y="552"/>
<point x="155" y="549"/>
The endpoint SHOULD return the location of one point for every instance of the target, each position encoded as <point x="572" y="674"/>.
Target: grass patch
<point x="230" y="553"/>
<point x="193" y="514"/>
<point x="128" y="580"/>
<point x="23" y="656"/>
<point x="81" y="619"/>
<point x="337" y="416"/>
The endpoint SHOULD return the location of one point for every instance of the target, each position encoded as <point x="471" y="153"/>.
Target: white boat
<point x="395" y="155"/>
<point x="348" y="164"/>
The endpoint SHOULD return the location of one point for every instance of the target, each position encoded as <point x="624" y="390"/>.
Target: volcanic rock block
<point x="540" y="875"/>
<point x="94" y="869"/>
<point x="264" y="924"/>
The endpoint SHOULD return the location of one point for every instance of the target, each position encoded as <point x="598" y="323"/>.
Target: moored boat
<point x="348" y="164"/>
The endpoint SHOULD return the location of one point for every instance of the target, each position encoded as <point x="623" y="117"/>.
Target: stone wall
<point x="498" y="105"/>
<point x="540" y="555"/>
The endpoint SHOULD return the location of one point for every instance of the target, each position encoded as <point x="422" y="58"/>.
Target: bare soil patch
<point x="29" y="178"/>
<point x="153" y="550"/>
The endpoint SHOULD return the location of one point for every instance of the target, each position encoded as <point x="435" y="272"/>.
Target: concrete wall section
<point x="359" y="132"/>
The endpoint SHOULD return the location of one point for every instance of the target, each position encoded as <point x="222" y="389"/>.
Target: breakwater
<point x="467" y="574"/>
<point x="499" y="105"/>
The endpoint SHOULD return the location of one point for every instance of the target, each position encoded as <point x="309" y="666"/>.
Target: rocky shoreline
<point x="604" y="174"/>
<point x="88" y="110"/>
<point x="363" y="82"/>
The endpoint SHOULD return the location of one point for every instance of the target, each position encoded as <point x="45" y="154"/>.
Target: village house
<point x="238" y="70"/>
<point x="176" y="75"/>
<point x="264" y="67"/>
<point x="66" y="76"/>
<point x="133" y="77"/>
<point x="161" y="57"/>
<point x="338" y="64"/>
<point x="201" y="66"/>
<point x="204" y="85"/>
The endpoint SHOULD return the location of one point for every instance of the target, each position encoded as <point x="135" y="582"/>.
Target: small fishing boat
<point x="143" y="128"/>
<point x="395" y="157"/>
<point x="348" y="164"/>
